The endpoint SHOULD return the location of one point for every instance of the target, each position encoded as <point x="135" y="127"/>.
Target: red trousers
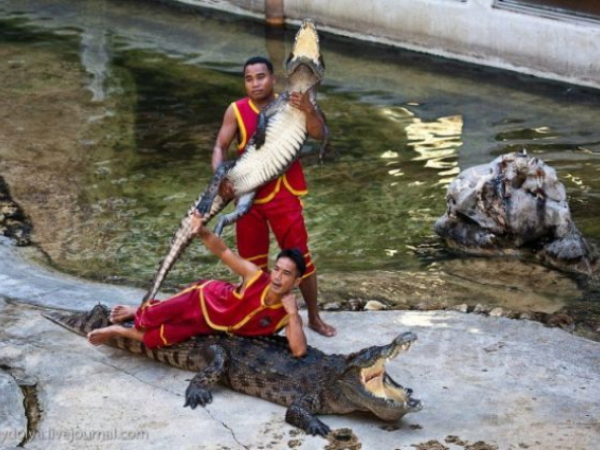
<point x="283" y="214"/>
<point x="211" y="306"/>
<point x="172" y="321"/>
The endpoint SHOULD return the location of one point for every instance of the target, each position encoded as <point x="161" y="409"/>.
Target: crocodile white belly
<point x="285" y="134"/>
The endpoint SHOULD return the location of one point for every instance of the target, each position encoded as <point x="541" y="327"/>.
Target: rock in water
<point x="514" y="203"/>
<point x="14" y="223"/>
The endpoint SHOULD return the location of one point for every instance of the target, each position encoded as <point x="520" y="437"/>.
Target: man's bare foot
<point x="121" y="313"/>
<point x="103" y="335"/>
<point x="322" y="328"/>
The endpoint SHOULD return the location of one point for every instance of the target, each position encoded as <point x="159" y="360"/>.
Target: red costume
<point x="277" y="204"/>
<point x="209" y="306"/>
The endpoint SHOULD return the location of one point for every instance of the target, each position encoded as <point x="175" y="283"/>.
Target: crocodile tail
<point x="180" y="241"/>
<point x="80" y="322"/>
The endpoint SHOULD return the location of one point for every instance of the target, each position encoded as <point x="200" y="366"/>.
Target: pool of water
<point x="115" y="105"/>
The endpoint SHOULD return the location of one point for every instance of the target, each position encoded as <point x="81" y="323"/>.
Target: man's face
<point x="258" y="82"/>
<point x="284" y="276"/>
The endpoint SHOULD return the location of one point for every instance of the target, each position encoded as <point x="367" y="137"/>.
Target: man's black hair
<point x="258" y="60"/>
<point x="295" y="255"/>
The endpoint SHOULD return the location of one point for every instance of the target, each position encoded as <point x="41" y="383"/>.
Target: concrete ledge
<point x="555" y="47"/>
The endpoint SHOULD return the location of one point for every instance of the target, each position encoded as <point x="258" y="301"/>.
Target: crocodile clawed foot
<point x="195" y="395"/>
<point x="219" y="227"/>
<point x="316" y="427"/>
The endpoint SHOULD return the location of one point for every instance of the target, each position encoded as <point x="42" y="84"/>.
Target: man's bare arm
<point x="293" y="330"/>
<point x="217" y="246"/>
<point x="227" y="132"/>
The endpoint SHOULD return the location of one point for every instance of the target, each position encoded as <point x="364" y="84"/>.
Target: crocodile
<point x="317" y="383"/>
<point x="271" y="150"/>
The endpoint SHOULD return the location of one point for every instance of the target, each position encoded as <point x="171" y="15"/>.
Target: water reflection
<point x="95" y="56"/>
<point x="159" y="80"/>
<point x="437" y="143"/>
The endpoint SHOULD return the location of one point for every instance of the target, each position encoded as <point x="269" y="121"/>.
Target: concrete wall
<point x="479" y="31"/>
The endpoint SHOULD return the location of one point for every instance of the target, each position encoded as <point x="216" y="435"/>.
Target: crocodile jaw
<point x="306" y="54"/>
<point x="368" y="387"/>
<point x="306" y="43"/>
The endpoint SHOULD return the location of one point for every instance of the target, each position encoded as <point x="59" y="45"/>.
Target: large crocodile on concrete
<point x="515" y="204"/>
<point x="275" y="145"/>
<point x="317" y="383"/>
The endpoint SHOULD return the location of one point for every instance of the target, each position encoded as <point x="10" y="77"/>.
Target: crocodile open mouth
<point x="376" y="381"/>
<point x="306" y="54"/>
<point x="307" y="42"/>
<point x="369" y="386"/>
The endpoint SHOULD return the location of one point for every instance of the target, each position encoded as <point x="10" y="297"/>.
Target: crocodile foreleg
<point x="312" y="93"/>
<point x="260" y="134"/>
<point x="198" y="391"/>
<point x="206" y="202"/>
<point x="243" y="206"/>
<point x="325" y="139"/>
<point x="299" y="415"/>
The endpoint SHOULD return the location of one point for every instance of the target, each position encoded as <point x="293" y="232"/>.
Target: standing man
<point x="277" y="204"/>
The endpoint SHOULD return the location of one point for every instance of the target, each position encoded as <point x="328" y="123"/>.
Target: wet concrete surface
<point x="486" y="382"/>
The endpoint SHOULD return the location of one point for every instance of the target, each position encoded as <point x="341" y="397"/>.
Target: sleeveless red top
<point x="224" y="308"/>
<point x="293" y="180"/>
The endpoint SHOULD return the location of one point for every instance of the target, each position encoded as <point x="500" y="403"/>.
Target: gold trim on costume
<point x="265" y="255"/>
<point x="241" y="323"/>
<point x="272" y="194"/>
<point x="162" y="335"/>
<point x="283" y="322"/>
<point x="241" y="127"/>
<point x="292" y="190"/>
<point x="310" y="267"/>
<point x="245" y="286"/>
<point x="282" y="179"/>
<point x="254" y="107"/>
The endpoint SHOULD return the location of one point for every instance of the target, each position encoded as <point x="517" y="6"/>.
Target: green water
<point x="367" y="206"/>
<point x="402" y="126"/>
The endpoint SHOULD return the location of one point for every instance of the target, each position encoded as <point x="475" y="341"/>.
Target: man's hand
<point x="302" y="102"/>
<point x="226" y="190"/>
<point x="289" y="303"/>
<point x="293" y="330"/>
<point x="315" y="122"/>
<point x="197" y="223"/>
